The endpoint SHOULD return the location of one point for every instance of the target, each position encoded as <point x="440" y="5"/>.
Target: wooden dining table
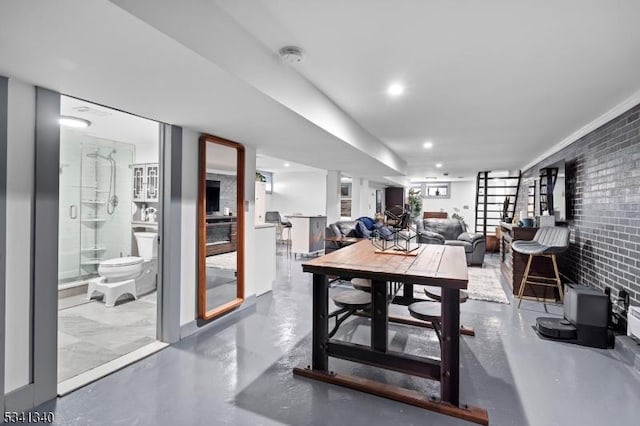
<point x="433" y="265"/>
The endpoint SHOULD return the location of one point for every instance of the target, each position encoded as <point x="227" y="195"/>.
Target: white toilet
<point x="128" y="275"/>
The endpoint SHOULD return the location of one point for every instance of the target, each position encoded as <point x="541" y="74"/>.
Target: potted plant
<point x="415" y="203"/>
<point x="260" y="177"/>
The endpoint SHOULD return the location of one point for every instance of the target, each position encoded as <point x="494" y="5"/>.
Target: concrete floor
<point x="241" y="375"/>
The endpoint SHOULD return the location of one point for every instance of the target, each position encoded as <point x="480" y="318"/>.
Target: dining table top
<point x="437" y="265"/>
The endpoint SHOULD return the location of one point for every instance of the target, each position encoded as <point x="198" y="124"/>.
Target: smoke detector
<point x="291" y="54"/>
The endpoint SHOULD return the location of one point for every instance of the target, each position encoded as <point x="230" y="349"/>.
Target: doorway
<point x="108" y="227"/>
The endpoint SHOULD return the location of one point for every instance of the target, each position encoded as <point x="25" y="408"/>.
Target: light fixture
<point x="287" y="164"/>
<point x="69" y="121"/>
<point x="291" y="54"/>
<point x="439" y="165"/>
<point x="395" y="89"/>
<point x="428" y="145"/>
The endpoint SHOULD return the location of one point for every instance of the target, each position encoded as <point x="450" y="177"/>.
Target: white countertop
<point x="264" y="225"/>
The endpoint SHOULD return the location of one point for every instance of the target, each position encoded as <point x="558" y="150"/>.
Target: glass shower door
<point x="69" y="231"/>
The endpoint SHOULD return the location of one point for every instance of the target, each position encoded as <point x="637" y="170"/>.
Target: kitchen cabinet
<point x="261" y="202"/>
<point x="307" y="234"/>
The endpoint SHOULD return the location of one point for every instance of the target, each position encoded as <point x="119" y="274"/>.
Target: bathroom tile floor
<point x="90" y="334"/>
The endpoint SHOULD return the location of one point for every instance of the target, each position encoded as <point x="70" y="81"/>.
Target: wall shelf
<point x="93" y="220"/>
<point x="93" y="249"/>
<point x="98" y="202"/>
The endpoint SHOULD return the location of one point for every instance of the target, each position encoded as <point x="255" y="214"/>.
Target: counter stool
<point x="436" y="294"/>
<point x="428" y="312"/>
<point x="349" y="302"/>
<point x="548" y="241"/>
<point x="286" y="225"/>
<point x="361" y="284"/>
<point x="281" y="224"/>
<point x="364" y="284"/>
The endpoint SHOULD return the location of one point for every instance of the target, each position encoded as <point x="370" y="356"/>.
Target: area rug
<point x="223" y="261"/>
<point x="484" y="284"/>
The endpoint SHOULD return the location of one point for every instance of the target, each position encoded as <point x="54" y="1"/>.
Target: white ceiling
<point x="221" y="158"/>
<point x="277" y="165"/>
<point x="492" y="84"/>
<point x="111" y="124"/>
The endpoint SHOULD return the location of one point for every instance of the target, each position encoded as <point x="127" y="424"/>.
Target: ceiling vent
<point x="291" y="54"/>
<point x="92" y="111"/>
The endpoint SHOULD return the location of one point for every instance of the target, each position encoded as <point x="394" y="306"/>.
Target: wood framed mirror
<point x="220" y="226"/>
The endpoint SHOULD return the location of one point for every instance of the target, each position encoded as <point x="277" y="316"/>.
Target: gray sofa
<point x="343" y="228"/>
<point x="452" y="232"/>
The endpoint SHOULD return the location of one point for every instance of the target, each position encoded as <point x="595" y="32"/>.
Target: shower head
<point x="97" y="154"/>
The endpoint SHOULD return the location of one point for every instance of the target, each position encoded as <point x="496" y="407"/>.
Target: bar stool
<point x="361" y="284"/>
<point x="364" y="284"/>
<point x="349" y="302"/>
<point x="286" y="225"/>
<point x="548" y="241"/>
<point x="275" y="218"/>
<point x="428" y="312"/>
<point x="435" y="293"/>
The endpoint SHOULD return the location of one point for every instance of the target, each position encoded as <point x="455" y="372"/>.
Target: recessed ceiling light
<point x="428" y="145"/>
<point x="287" y="164"/>
<point x="67" y="120"/>
<point x="395" y="89"/>
<point x="439" y="165"/>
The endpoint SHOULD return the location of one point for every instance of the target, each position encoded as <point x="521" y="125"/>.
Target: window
<point x="345" y="199"/>
<point x="268" y="182"/>
<point x="437" y="190"/>
<point x="345" y="190"/>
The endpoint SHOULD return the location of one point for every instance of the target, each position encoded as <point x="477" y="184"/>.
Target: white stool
<point x="111" y="291"/>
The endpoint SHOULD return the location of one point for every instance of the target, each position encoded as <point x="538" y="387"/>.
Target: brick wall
<point x="604" y="205"/>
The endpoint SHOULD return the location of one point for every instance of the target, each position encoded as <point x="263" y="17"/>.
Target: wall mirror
<point x="552" y="190"/>
<point x="220" y="226"/>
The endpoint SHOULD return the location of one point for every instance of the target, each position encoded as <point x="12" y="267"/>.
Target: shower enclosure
<point x="95" y="204"/>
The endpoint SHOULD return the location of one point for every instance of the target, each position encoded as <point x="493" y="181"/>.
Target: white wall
<point x="333" y="196"/>
<point x="146" y="153"/>
<point x="299" y="192"/>
<point x="189" y="244"/>
<point x="462" y="194"/>
<point x="20" y="156"/>
<point x="249" y="222"/>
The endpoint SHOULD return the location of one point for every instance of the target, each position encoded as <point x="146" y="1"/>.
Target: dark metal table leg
<point x="320" y="359"/>
<point x="450" y="367"/>
<point x="379" y="323"/>
<point x="407" y="290"/>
